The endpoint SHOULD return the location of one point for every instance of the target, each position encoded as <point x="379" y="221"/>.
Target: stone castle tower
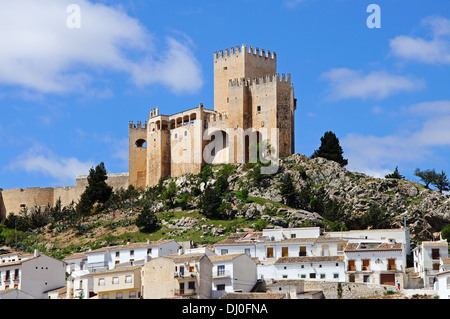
<point x="250" y="98"/>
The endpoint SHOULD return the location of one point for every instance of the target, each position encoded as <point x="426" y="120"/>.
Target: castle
<point x="252" y="104"/>
<point x="253" y="119"/>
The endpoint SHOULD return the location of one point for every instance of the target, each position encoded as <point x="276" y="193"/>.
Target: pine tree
<point x="427" y="176"/>
<point x="330" y="149"/>
<point x="396" y="174"/>
<point x="441" y="182"/>
<point x="97" y="190"/>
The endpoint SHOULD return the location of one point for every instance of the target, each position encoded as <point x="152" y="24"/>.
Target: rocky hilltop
<point x="223" y="199"/>
<point x="318" y="182"/>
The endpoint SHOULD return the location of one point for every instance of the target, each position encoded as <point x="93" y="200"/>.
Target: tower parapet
<point x="280" y="78"/>
<point x="244" y="49"/>
<point x="138" y="125"/>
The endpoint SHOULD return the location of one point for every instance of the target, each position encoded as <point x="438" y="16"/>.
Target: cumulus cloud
<point x="432" y="50"/>
<point x="346" y="83"/>
<point x="39" y="159"/>
<point x="379" y="155"/>
<point x="39" y="50"/>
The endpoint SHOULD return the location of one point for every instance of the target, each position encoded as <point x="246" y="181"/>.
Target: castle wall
<point x="137" y="150"/>
<point x="251" y="103"/>
<point x="186" y="146"/>
<point x="14" y="199"/>
<point x="237" y="63"/>
<point x="285" y="117"/>
<point x="158" y="156"/>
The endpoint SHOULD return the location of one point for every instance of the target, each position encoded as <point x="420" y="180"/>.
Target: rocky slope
<point x="424" y="211"/>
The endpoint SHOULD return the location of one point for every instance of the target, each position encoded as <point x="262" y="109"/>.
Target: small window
<point x="224" y="251"/>
<point x="132" y="294"/>
<point x="101" y="281"/>
<point x="258" y="108"/>
<point x="191" y="284"/>
<point x="119" y="295"/>
<point x="269" y="252"/>
<point x="225" y="68"/>
<point x="221" y="287"/>
<point x="115" y="280"/>
<point x="128" y="278"/>
<point x="131" y="252"/>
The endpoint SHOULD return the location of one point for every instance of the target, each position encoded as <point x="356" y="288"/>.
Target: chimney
<point x="36" y="253"/>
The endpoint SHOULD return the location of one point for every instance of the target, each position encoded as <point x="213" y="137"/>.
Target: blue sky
<point x="67" y="94"/>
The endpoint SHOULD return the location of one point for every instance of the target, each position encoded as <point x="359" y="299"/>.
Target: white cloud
<point x="380" y="154"/>
<point x="39" y="159"/>
<point x="346" y="83"/>
<point x="39" y="51"/>
<point x="435" y="50"/>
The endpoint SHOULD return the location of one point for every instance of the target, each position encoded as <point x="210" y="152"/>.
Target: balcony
<point x="187" y="274"/>
<point x="222" y="274"/>
<point x="185" y="292"/>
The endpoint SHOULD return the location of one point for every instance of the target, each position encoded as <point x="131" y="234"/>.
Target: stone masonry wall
<point x="349" y="290"/>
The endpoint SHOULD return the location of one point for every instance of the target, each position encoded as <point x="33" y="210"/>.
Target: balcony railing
<point x="222" y="274"/>
<point x="185" y="292"/>
<point x="188" y="274"/>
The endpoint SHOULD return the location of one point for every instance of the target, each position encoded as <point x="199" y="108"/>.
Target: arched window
<point x="141" y="143"/>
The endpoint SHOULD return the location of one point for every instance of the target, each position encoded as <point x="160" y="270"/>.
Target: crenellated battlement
<point x="244" y="49"/>
<point x="279" y="78"/>
<point x="154" y="112"/>
<point x="138" y="125"/>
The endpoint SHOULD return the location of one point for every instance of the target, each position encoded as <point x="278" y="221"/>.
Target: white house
<point x="398" y="235"/>
<point x="427" y="259"/>
<point x="128" y="255"/>
<point x="33" y="276"/>
<point x="14" y="256"/>
<point x="232" y="273"/>
<point x="271" y="244"/>
<point x="324" y="268"/>
<point x="79" y="285"/>
<point x="376" y="263"/>
<point x="443" y="284"/>
<point x="75" y="262"/>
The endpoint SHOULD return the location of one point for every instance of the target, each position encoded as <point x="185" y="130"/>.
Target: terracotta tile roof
<point x="130" y="246"/>
<point x="15" y="263"/>
<point x="308" y="259"/>
<point x="75" y="256"/>
<point x="185" y="257"/>
<point x="357" y="247"/>
<point x="435" y="243"/>
<point x="112" y="271"/>
<point x="224" y="257"/>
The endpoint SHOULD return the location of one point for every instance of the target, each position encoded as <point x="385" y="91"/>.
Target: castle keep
<point x="252" y="104"/>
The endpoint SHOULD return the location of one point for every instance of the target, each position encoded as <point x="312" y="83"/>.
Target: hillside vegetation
<point x="223" y="199"/>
